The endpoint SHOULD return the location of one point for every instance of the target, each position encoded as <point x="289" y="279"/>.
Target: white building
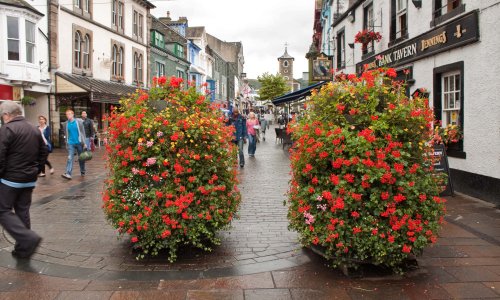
<point x="451" y="49"/>
<point x="24" y="56"/>
<point x="197" y="56"/>
<point x="98" y="54"/>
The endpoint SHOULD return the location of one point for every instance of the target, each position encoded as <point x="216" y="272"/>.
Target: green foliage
<point x="272" y="86"/>
<point x="363" y="186"/>
<point x="171" y="162"/>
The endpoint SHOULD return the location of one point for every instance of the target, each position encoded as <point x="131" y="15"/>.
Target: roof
<point x="21" y="4"/>
<point x="195" y="32"/>
<point x="297" y="95"/>
<point x="285" y="55"/>
<point x="102" y="90"/>
<point x="146" y="3"/>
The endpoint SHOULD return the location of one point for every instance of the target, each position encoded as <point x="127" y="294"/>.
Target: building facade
<point x="442" y="48"/>
<point x="167" y="56"/>
<point x="98" y="54"/>
<point x="197" y="41"/>
<point x="24" y="62"/>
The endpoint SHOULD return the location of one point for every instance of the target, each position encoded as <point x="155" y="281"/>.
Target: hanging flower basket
<point x="28" y="100"/>
<point x="365" y="37"/>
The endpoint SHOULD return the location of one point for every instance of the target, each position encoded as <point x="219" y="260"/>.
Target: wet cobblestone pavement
<point x="81" y="257"/>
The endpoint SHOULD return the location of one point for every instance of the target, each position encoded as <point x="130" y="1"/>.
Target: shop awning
<point x="297" y="95"/>
<point x="101" y="90"/>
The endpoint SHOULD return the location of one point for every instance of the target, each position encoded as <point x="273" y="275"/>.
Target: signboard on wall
<point x="321" y="68"/>
<point x="454" y="34"/>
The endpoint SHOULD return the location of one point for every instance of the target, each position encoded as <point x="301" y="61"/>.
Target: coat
<point x="240" y="126"/>
<point x="81" y="131"/>
<point x="22" y="151"/>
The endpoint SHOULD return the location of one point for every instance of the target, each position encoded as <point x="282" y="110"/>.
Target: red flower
<point x="134" y="239"/>
<point x="334" y="179"/>
<point x="349" y="178"/>
<point x="355" y="214"/>
<point x="391" y="73"/>
<point x="174" y="137"/>
<point x="406" y="248"/>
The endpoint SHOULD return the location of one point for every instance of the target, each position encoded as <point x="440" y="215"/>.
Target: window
<point x="86" y="5"/>
<point x="341" y="49"/>
<point x="78" y="43"/>
<point x="117" y="8"/>
<point x="30" y="42"/>
<point x="135" y="20"/>
<point x="368" y="25"/>
<point x="83" y="7"/>
<point x="401" y="18"/>
<point x="451" y="95"/>
<point x="446" y="9"/>
<point x="160" y="69"/>
<point x="117" y="54"/>
<point x="137" y="76"/>
<point x="158" y="39"/>
<point x="285" y="63"/>
<point x="82" y="50"/>
<point x="78" y="3"/>
<point x="13" y="38"/>
<point x="449" y="100"/>
<point x="120" y="15"/>
<point x="141" y="21"/>
<point x="86" y="52"/>
<point x="180" y="74"/>
<point x="179" y="50"/>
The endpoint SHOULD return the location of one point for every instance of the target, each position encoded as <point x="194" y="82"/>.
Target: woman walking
<point x="252" y="127"/>
<point x="45" y="130"/>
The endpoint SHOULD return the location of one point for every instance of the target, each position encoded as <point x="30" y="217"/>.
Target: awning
<point x="297" y="95"/>
<point x="196" y="69"/>
<point x="101" y="90"/>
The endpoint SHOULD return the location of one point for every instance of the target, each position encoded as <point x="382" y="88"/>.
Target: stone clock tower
<point x="286" y="67"/>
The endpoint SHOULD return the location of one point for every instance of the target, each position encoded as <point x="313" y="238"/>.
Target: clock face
<point x="285" y="71"/>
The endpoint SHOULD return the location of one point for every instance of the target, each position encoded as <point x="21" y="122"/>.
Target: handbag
<point x="85" y="155"/>
<point x="256" y="127"/>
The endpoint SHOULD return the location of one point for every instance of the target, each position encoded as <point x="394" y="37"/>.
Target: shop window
<point x="341" y="49"/>
<point x="117" y="55"/>
<point x="445" y="10"/>
<point x="13" y="38"/>
<point x="82" y="51"/>
<point x="449" y="100"/>
<point x="368" y="24"/>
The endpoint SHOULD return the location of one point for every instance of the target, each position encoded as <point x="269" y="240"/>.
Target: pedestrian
<point x="252" y="127"/>
<point x="75" y="142"/>
<point x="264" y="125"/>
<point x="88" y="125"/>
<point x="22" y="155"/>
<point x="45" y="130"/>
<point x="240" y="133"/>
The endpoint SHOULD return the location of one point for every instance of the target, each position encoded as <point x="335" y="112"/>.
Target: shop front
<point x="81" y="93"/>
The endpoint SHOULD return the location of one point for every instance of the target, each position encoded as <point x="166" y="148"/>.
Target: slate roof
<point x="194" y="32"/>
<point x="285" y="55"/>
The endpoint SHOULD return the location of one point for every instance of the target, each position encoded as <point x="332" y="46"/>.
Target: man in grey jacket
<point x="22" y="154"/>
<point x="75" y="142"/>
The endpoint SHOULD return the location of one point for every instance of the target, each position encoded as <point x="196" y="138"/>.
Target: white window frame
<point x="120" y="62"/>
<point x="160" y="69"/>
<point x="86" y="52"/>
<point x="114" y="13"/>
<point x="77" y="63"/>
<point x="121" y="10"/>
<point x="86" y="6"/>
<point x="140" y="26"/>
<point x="114" y="56"/>
<point x="30" y="45"/>
<point x="134" y="23"/>
<point x="451" y="94"/>
<point x="401" y="10"/>
<point x="14" y="39"/>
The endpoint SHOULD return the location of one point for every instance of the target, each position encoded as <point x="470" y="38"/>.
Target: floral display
<point x="171" y="159"/>
<point x="447" y="134"/>
<point x="363" y="187"/>
<point x="366" y="36"/>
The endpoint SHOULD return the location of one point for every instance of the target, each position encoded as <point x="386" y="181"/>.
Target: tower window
<point x="285" y="64"/>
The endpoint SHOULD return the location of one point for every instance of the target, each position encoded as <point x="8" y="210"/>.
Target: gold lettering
<point x="437" y="39"/>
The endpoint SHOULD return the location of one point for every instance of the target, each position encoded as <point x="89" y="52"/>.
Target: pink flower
<point x="159" y="134"/>
<point x="150" y="161"/>
<point x="135" y="171"/>
<point x="149" y="144"/>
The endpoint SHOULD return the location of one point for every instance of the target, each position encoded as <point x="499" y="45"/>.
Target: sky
<point x="263" y="26"/>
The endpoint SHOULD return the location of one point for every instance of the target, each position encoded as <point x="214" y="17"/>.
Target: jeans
<point x="87" y="143"/>
<point x="17" y="223"/>
<point x="71" y="156"/>
<point x="240" y="151"/>
<point x="252" y="144"/>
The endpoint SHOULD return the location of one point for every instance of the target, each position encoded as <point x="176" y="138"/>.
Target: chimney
<point x="168" y="16"/>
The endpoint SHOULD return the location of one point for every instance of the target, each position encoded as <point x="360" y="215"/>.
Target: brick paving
<point x="81" y="257"/>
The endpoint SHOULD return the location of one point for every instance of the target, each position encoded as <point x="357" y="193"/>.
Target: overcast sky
<point x="263" y="26"/>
